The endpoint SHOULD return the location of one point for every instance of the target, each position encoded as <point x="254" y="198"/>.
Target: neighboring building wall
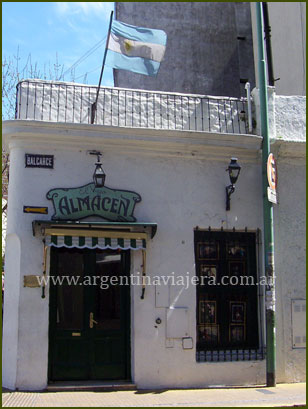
<point x="290" y="229"/>
<point x="286" y="117"/>
<point x="290" y="260"/>
<point x="203" y="55"/>
<point x="287" y="124"/>
<point x="288" y="37"/>
<point x="290" y="118"/>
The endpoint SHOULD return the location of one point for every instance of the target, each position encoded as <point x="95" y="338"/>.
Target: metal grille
<point x="70" y="102"/>
<point x="228" y="324"/>
<point x="231" y="355"/>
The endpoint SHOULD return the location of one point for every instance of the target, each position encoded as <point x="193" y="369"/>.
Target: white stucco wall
<point x="11" y="319"/>
<point x="4" y="223"/>
<point x="25" y="312"/>
<point x="290" y="117"/>
<point x="179" y="192"/>
<point x="286" y="116"/>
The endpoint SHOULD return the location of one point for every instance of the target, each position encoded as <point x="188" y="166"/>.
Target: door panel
<point x="70" y="307"/>
<point x="77" y="349"/>
<point x="110" y="335"/>
<point x="67" y="332"/>
<point x="65" y="366"/>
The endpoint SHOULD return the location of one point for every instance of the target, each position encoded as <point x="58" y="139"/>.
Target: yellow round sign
<point x="272" y="175"/>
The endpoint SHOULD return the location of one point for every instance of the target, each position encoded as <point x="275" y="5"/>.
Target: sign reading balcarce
<point x="39" y="161"/>
<point x="80" y="202"/>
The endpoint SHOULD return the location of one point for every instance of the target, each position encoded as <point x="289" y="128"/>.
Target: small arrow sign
<point x="35" y="209"/>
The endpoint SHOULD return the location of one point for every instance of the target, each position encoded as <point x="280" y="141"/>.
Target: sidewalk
<point x="281" y="395"/>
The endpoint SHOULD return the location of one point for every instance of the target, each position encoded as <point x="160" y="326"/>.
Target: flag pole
<point x="94" y="105"/>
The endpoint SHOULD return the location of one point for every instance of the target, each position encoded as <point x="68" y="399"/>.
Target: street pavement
<point x="283" y="395"/>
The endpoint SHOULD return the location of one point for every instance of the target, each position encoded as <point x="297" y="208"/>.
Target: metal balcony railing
<point x="71" y="103"/>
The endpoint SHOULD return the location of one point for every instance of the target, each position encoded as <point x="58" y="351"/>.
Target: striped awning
<point x="94" y="235"/>
<point x="81" y="242"/>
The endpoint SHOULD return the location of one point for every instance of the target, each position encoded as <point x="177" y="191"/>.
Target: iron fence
<point x="71" y="103"/>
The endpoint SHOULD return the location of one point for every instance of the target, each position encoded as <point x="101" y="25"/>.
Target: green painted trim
<point x="68" y="240"/>
<point x="267" y="206"/>
<point x="121" y="243"/>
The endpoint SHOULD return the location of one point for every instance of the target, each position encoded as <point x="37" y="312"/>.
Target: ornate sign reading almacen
<point x="80" y="202"/>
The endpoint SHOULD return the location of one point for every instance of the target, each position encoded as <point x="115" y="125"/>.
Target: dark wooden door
<point x="89" y="315"/>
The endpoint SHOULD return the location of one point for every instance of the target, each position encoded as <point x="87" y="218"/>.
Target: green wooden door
<point x="89" y="315"/>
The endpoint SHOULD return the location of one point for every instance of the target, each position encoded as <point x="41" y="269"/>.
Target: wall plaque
<point x="31" y="281"/>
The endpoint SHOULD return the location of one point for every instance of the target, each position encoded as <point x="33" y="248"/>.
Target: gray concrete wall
<point x="203" y="53"/>
<point x="290" y="262"/>
<point x="288" y="38"/>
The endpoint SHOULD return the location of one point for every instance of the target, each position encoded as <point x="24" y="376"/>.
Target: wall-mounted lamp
<point x="99" y="175"/>
<point x="234" y="170"/>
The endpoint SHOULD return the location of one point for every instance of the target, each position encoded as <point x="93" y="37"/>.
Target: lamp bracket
<point x="97" y="153"/>
<point x="229" y="190"/>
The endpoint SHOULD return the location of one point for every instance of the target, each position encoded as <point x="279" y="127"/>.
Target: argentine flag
<point x="135" y="49"/>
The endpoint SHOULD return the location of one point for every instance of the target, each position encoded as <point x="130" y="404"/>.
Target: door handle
<point x="92" y="321"/>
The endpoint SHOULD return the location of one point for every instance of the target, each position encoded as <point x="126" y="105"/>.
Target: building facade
<point x="212" y="47"/>
<point x="209" y="49"/>
<point x="159" y="222"/>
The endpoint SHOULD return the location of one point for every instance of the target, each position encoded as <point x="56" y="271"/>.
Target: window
<point x="227" y="296"/>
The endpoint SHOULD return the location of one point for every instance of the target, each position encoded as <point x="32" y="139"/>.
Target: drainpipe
<point x="267" y="31"/>
<point x="248" y="96"/>
<point x="267" y="212"/>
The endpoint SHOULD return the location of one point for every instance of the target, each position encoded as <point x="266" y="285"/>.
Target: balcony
<point x="51" y="101"/>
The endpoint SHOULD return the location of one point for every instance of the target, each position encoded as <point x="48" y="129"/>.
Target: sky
<point x="68" y="30"/>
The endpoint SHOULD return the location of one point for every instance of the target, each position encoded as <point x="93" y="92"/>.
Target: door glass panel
<point x="108" y="264"/>
<point x="69" y="291"/>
